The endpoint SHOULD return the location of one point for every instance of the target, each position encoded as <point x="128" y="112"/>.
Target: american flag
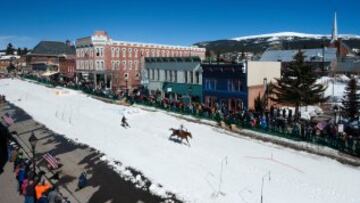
<point x="51" y="160"/>
<point x="8" y="120"/>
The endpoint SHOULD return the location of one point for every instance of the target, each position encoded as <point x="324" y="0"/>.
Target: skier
<point x="124" y="122"/>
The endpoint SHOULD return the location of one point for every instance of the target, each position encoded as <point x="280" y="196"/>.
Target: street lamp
<point x="190" y="93"/>
<point x="33" y="141"/>
<point x="126" y="87"/>
<point x="266" y="90"/>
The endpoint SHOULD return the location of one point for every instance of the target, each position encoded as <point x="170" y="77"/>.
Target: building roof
<point x="53" y="48"/>
<point x="173" y="63"/>
<point x="223" y="67"/>
<point x="9" y="57"/>
<point x="311" y="55"/>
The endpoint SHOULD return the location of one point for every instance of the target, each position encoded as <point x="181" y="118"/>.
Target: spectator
<point x="82" y="180"/>
<point x="41" y="188"/>
<point x="21" y="176"/>
<point x="43" y="198"/>
<point x="23" y="186"/>
<point x="54" y="196"/>
<point x="30" y="192"/>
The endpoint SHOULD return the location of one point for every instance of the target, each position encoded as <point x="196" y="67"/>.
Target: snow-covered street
<point x="215" y="168"/>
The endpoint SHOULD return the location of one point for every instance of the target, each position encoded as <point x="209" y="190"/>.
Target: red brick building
<point x="106" y="63"/>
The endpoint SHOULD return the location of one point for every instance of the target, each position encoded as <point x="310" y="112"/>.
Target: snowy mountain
<point x="293" y="35"/>
<point x="281" y="40"/>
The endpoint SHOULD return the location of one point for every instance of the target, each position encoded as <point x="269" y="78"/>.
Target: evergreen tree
<point x="351" y="100"/>
<point x="259" y="104"/>
<point x="297" y="86"/>
<point x="10" y="49"/>
<point x="19" y="52"/>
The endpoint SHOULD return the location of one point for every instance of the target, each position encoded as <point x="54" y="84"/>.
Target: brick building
<point x="51" y="57"/>
<point x="105" y="63"/>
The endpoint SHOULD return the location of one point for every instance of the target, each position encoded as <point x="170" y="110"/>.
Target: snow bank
<point x="216" y="168"/>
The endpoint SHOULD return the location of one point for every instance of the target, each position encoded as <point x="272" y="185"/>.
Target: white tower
<point x="334" y="35"/>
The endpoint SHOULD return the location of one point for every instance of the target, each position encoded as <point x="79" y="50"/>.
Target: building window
<point x="102" y="64"/>
<point x="158" y="74"/>
<point x="197" y="77"/>
<point x="136" y="65"/>
<point x="148" y="74"/>
<point x="97" y="52"/>
<point x="152" y="74"/>
<point x="91" y="65"/>
<point x="186" y="77"/>
<point x="158" y="53"/>
<point x="124" y="65"/>
<point x="137" y="76"/>
<point x="117" y="65"/>
<point x="136" y="52"/>
<point x="112" y="52"/>
<point x="126" y="76"/>
<point x="175" y="76"/>
<point x="130" y="52"/>
<point x="124" y="52"/>
<point x="234" y="85"/>
<point x="166" y="75"/>
<point x="191" y="77"/>
<point x="130" y="65"/>
<point x="210" y="84"/>
<point x="171" y="75"/>
<point x="117" y="52"/>
<point x="97" y="65"/>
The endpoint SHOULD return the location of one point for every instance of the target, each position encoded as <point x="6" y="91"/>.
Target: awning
<point x="183" y="88"/>
<point x="50" y="73"/>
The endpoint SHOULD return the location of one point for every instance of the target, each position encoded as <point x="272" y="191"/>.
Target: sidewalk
<point x="8" y="185"/>
<point x="104" y="184"/>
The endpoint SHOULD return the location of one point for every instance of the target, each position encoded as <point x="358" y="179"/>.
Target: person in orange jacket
<point x="41" y="188"/>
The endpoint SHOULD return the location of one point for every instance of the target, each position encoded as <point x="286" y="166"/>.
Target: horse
<point x="181" y="134"/>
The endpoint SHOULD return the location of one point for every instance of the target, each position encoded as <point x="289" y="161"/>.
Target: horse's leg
<point x="187" y="141"/>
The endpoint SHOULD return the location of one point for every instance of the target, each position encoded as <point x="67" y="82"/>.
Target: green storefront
<point x="182" y="91"/>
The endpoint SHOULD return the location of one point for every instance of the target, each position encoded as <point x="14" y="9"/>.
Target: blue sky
<point x="184" y="22"/>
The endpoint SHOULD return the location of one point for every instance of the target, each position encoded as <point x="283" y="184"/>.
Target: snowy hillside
<point x="292" y="35"/>
<point x="216" y="168"/>
<point x="285" y="40"/>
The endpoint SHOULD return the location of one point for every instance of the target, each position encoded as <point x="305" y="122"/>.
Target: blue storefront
<point x="225" y="86"/>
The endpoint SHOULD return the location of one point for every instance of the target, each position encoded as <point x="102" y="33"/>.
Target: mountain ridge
<point x="279" y="40"/>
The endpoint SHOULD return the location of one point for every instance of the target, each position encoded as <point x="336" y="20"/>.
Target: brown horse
<point x="181" y="134"/>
